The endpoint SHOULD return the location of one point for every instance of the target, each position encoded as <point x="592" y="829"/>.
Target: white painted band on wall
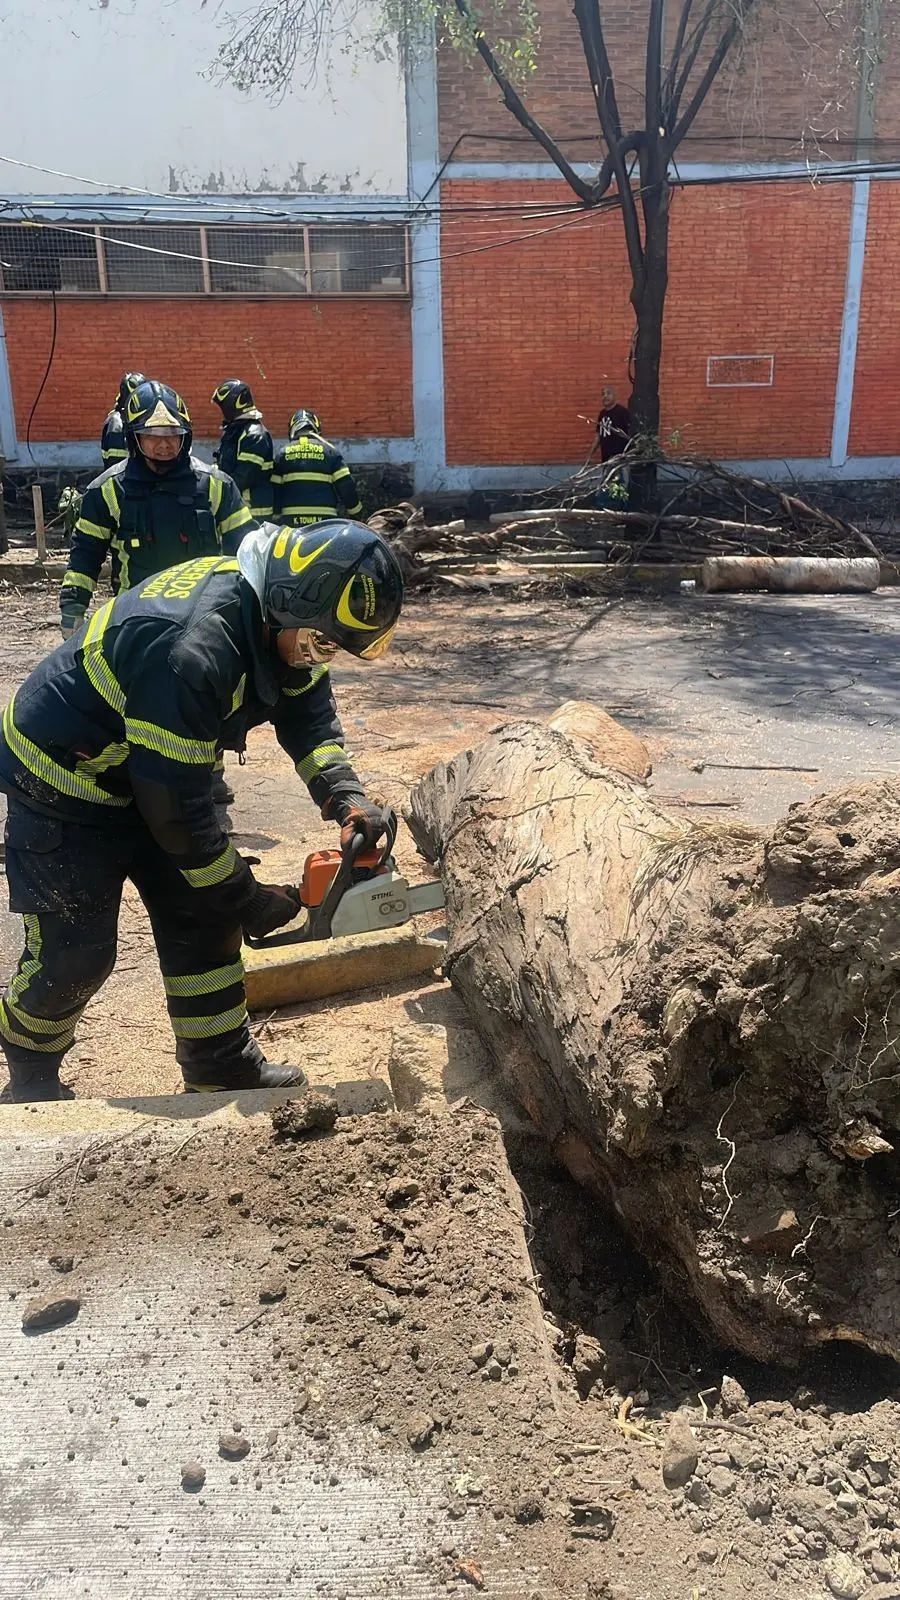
<point x="427" y="290"/>
<point x="83" y="455"/>
<point x="856" y="266"/>
<point x="7" y="413"/>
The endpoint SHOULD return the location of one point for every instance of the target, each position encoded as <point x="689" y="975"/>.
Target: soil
<point x="405" y="1308"/>
<point x="399" y="1311"/>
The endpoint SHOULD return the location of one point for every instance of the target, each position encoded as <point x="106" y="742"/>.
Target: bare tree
<point x="687" y="46"/>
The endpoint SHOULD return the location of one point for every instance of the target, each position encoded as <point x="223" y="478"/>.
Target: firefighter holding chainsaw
<point x="107" y="753"/>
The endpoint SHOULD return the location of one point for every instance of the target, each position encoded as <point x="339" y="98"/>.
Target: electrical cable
<point x="37" y="398"/>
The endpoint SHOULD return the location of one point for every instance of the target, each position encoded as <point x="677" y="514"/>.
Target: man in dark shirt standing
<point x="613" y="428"/>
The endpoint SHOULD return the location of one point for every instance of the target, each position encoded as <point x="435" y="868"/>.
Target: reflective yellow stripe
<point x="99" y="672"/>
<point x="78" y="580"/>
<point x="194" y="983"/>
<point x="258" y="461"/>
<point x="93" y="528"/>
<point x="315" y="677"/>
<point x="238" y="519"/>
<point x="237" y="699"/>
<point x="308" y="477"/>
<point x="324" y="755"/>
<point x="45" y="768"/>
<point x="114" y="453"/>
<point x="108" y="492"/>
<point x="342" y="472"/>
<point x="45" y="1024"/>
<point x="49" y="1047"/>
<point x="215" y="872"/>
<point x="216" y="485"/>
<point x="112" y="755"/>
<point x="194" y="752"/>
<point x="208" y="1027"/>
<point x="323" y="513"/>
<point x="28" y="969"/>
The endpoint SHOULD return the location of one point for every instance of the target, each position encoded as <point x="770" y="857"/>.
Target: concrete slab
<point x="172" y="1348"/>
<point x="286" y="974"/>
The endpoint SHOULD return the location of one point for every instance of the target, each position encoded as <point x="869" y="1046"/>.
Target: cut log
<point x="700" y="1018"/>
<point x="792" y="574"/>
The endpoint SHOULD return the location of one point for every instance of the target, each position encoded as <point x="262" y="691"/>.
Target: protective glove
<point x="273" y="905"/>
<point x="70" y="622"/>
<point x="367" y="817"/>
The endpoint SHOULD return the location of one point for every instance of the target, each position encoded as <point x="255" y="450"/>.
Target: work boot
<point x="265" y="1075"/>
<point x="27" y="1084"/>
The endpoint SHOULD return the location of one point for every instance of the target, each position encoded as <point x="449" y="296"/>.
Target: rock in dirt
<point x="589" y="1364"/>
<point x="233" y="1446"/>
<point x="528" y="1508"/>
<point x="272" y="1288"/>
<point x="420" y="1429"/>
<point x="298" y="1119"/>
<point x="734" y="1397"/>
<point x="845" y="1579"/>
<point x="50" y="1311"/>
<point x="61" y="1261"/>
<point x="883" y="1591"/>
<point x="193" y="1475"/>
<point x="401" y="1190"/>
<point x="680" y="1455"/>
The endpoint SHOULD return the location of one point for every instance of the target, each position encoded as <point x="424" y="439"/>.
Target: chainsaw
<point x="355" y="890"/>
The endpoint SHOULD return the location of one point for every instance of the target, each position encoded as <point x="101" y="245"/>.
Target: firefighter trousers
<point x="66" y="879"/>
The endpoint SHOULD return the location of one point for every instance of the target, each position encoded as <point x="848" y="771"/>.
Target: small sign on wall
<point x="740" y="372"/>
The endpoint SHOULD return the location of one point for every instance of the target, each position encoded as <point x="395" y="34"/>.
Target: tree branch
<point x="653" y="75"/>
<point x="693" y="51"/>
<point x="516" y="105"/>
<point x="590" y="27"/>
<point x="680" y="35"/>
<point x="713" y="68"/>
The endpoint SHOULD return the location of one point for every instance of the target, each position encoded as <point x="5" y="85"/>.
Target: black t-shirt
<point x="613" y="431"/>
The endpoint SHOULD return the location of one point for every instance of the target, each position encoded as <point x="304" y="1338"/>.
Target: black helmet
<point x="339" y="578"/>
<point x="303" y="421"/>
<point x="155" y="408"/>
<point x="130" y="381"/>
<point x="233" y="397"/>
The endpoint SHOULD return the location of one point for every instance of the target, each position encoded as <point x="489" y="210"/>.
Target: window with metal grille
<point x="366" y="259"/>
<point x="152" y="260"/>
<point x="34" y="260"/>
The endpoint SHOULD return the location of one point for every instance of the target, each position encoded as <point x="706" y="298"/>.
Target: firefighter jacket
<point x="151" y="521"/>
<point x="113" y="447"/>
<point x="311" y="483"/>
<point x="246" y="454"/>
<point x="123" y="721"/>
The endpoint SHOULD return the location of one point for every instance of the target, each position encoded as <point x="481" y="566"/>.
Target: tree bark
<point x="702" y="1020"/>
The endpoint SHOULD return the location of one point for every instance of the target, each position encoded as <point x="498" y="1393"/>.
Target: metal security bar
<point x="300" y="260"/>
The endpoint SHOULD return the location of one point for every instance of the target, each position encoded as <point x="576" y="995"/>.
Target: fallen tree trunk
<point x="703" y="1020"/>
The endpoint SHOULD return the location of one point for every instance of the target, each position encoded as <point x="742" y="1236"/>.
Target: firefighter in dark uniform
<point x="310" y="480"/>
<point x="245" y="450"/>
<point x="106" y="755"/>
<point x="154" y="510"/>
<point x="112" y="440"/>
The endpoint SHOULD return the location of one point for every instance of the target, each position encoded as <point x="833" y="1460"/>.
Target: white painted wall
<point x="115" y="91"/>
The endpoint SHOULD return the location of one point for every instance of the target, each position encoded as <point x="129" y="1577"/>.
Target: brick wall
<point x="793" y="82"/>
<point x="350" y="359"/>
<point x="875" y="427"/>
<point x="535" y="328"/>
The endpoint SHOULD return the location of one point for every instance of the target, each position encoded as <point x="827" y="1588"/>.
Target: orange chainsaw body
<point x="320" y="868"/>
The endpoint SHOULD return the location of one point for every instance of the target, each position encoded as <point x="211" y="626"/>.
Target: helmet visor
<point x="380" y="647"/>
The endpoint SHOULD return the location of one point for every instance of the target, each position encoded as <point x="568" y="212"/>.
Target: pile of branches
<point x="750" y="517"/>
